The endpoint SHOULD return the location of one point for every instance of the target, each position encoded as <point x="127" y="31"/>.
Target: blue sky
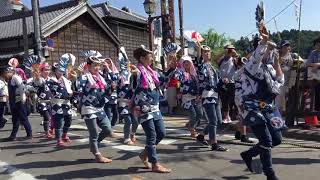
<point x="235" y="18"/>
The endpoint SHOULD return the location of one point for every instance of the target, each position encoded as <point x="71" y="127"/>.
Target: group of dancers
<point x="102" y="90"/>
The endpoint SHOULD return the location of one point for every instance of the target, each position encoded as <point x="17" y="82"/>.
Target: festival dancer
<point x="111" y="76"/>
<point x="39" y="84"/>
<point x="125" y="94"/>
<point x="146" y="101"/>
<point x="208" y="88"/>
<point x="189" y="92"/>
<point x="260" y="83"/>
<point x="61" y="91"/>
<point x="3" y="95"/>
<point x="91" y="90"/>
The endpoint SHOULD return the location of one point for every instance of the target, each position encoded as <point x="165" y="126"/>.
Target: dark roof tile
<point x="11" y="26"/>
<point x="118" y="13"/>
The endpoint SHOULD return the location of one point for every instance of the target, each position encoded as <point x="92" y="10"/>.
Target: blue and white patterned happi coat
<point x="148" y="102"/>
<point x="125" y="92"/>
<point x="257" y="83"/>
<point x="110" y="78"/>
<point x="208" y="83"/>
<point x="188" y="88"/>
<point x="41" y="87"/>
<point x="92" y="100"/>
<point x="59" y="91"/>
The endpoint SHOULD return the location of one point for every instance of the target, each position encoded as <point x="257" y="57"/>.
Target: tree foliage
<point x="306" y="41"/>
<point x="215" y="41"/>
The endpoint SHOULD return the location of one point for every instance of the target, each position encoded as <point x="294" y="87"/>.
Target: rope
<point x="274" y="16"/>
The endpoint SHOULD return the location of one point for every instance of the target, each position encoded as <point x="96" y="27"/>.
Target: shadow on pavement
<point x="235" y="177"/>
<point x="50" y="164"/>
<point x="92" y="173"/>
<point x="193" y="178"/>
<point x="295" y="161"/>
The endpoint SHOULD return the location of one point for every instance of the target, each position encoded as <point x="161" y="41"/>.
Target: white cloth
<point x="67" y="84"/>
<point x="20" y="88"/>
<point x="90" y="110"/>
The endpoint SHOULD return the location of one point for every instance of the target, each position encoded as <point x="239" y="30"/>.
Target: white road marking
<point x="121" y="146"/>
<point x="232" y="137"/>
<point x="77" y="126"/>
<point x="14" y="172"/>
<point x="167" y="141"/>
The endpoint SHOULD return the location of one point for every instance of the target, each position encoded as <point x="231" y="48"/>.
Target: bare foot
<point x="133" y="138"/>
<point x="113" y="135"/>
<point x="101" y="159"/>
<point x="144" y="158"/>
<point x="160" y="169"/>
<point x="128" y="142"/>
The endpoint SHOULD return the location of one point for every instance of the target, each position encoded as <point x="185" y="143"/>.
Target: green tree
<point x="305" y="47"/>
<point x="215" y="41"/>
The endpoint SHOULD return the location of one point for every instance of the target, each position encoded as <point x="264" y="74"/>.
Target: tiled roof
<point x="4" y="10"/>
<point x="102" y="10"/>
<point x="11" y="26"/>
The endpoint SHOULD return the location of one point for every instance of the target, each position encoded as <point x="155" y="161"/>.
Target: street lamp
<point x="149" y="8"/>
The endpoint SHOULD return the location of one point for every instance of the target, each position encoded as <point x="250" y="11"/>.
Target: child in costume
<point x="61" y="91"/>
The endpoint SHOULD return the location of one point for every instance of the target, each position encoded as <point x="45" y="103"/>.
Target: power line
<point x="274" y="16"/>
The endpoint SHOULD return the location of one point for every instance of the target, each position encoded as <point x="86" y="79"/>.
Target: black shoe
<point x="3" y="123"/>
<point x="9" y="139"/>
<point x="245" y="139"/>
<point x="28" y="137"/>
<point x="217" y="147"/>
<point x="272" y="177"/>
<point x="237" y="135"/>
<point x="247" y="160"/>
<point x="200" y="138"/>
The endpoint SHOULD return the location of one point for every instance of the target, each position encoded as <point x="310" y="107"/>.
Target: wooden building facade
<point x="75" y="27"/>
<point x="81" y="35"/>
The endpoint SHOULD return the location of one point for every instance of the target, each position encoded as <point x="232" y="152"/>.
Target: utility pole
<point x="37" y="27"/>
<point x="296" y="102"/>
<point x="151" y="38"/>
<point x="164" y="20"/>
<point x="299" y="36"/>
<point x="163" y="4"/>
<point x="25" y="36"/>
<point x="172" y="20"/>
<point x="181" y="23"/>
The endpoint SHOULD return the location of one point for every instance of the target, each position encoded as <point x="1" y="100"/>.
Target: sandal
<point x="193" y="132"/>
<point x="60" y="143"/>
<point x="217" y="147"/>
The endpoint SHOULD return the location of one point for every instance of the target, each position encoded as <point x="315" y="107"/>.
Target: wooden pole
<point x="172" y="20"/>
<point x="37" y="27"/>
<point x="25" y="36"/>
<point x="297" y="85"/>
<point x="151" y="38"/>
<point x="299" y="32"/>
<point x="181" y="24"/>
<point x="163" y="21"/>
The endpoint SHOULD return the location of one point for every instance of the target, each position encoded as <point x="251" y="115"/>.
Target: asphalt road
<point x="40" y="159"/>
